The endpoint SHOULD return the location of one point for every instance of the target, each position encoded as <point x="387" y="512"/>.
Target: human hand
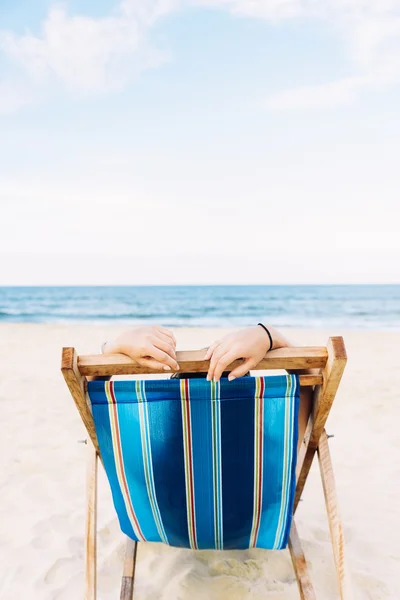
<point x="250" y="344"/>
<point x="152" y="347"/>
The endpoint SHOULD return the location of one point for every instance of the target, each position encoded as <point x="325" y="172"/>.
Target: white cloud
<point x="261" y="9"/>
<point x="345" y="11"/>
<point x="88" y="55"/>
<point x="313" y="97"/>
<point x="369" y="29"/>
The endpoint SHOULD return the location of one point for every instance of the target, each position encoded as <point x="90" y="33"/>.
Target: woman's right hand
<point x="152" y="347"/>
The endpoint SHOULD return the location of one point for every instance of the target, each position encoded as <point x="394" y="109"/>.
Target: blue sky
<point x="199" y="142"/>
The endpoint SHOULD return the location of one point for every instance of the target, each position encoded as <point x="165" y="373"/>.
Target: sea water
<point x="345" y="306"/>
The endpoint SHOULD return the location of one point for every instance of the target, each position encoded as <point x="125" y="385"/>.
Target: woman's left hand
<point x="250" y="344"/>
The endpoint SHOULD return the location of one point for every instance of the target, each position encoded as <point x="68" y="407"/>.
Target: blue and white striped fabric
<point x="198" y="464"/>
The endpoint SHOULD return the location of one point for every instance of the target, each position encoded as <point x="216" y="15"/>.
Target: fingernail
<point x="177" y="367"/>
<point x="208" y="378"/>
<point x="166" y="368"/>
<point x="231" y="377"/>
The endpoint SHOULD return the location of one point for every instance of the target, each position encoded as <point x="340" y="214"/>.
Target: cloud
<point x="274" y="10"/>
<point x="311" y="97"/>
<point x="88" y="55"/>
<point x="345" y="11"/>
<point x="370" y="31"/>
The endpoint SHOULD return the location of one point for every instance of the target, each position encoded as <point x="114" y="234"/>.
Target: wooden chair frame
<point x="330" y="362"/>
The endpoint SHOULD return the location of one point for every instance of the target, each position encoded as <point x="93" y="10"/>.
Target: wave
<point x="319" y="306"/>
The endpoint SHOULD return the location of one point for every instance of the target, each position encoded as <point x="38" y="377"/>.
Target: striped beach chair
<point x="205" y="465"/>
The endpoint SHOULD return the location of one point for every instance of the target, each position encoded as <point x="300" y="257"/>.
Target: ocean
<point x="315" y="306"/>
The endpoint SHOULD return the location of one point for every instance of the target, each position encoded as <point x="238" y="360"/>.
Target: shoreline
<point x="117" y="325"/>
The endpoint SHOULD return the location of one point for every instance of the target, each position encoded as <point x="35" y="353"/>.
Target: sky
<point x="199" y="141"/>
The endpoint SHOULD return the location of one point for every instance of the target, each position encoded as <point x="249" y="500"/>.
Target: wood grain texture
<point x="128" y="576"/>
<point x="91" y="524"/>
<point x="324" y="396"/>
<point x="310" y="380"/>
<point x="193" y="362"/>
<point x="301" y="454"/>
<point x="306" y="589"/>
<point x="335" y="523"/>
<point x="76" y="384"/>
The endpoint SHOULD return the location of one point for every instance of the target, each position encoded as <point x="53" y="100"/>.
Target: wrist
<point x="109" y="348"/>
<point x="267" y="335"/>
<point x="278" y="340"/>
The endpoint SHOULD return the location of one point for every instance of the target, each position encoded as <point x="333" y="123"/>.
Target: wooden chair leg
<point x="128" y="576"/>
<point x="324" y="396"/>
<point x="335" y="523"/>
<point x="91" y="524"/>
<point x="300" y="566"/>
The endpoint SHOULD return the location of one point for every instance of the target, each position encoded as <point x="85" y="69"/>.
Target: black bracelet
<point x="269" y="335"/>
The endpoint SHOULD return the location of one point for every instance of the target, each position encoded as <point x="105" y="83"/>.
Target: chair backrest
<point x="198" y="464"/>
<point x="125" y="399"/>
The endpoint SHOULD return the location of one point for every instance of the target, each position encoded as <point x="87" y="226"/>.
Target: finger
<point x="166" y="338"/>
<point x="164" y="346"/>
<point x="162" y="357"/>
<point x="242" y="369"/>
<point x="167" y="332"/>
<point x="210" y="350"/>
<point x="155" y="365"/>
<point x="218" y="352"/>
<point x="223" y="362"/>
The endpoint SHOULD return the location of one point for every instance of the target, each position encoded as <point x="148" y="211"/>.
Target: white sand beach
<point x="42" y="484"/>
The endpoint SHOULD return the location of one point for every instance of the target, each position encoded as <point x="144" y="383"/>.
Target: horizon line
<point x="105" y="285"/>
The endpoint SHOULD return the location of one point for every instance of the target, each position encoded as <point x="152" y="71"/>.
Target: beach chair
<point x="208" y="496"/>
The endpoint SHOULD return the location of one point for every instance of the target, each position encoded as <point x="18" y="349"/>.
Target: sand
<point x="42" y="484"/>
